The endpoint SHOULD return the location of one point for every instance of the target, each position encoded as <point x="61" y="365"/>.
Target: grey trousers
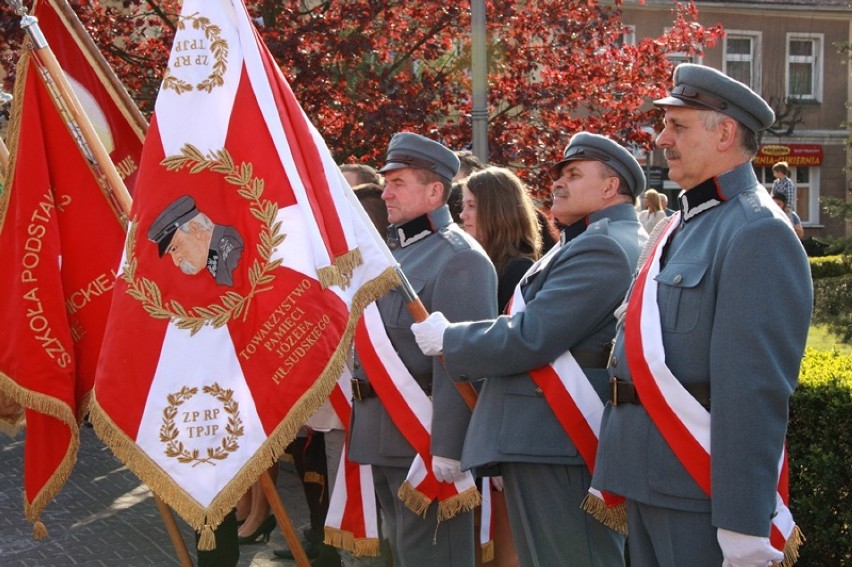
<point x="548" y="525"/>
<point x="661" y="537"/>
<point x="416" y="541"/>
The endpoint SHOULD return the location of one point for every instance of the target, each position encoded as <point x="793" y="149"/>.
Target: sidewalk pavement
<point x="105" y="517"/>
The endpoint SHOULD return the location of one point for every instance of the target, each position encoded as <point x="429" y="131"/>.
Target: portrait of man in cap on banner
<point x="194" y="242"/>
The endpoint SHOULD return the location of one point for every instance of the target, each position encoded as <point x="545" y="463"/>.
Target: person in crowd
<point x="499" y="213"/>
<point x="653" y="211"/>
<point x="781" y="200"/>
<point x="360" y="173"/>
<point x="557" y="332"/>
<point x="468" y="164"/>
<point x="783" y="184"/>
<point x="370" y="197"/>
<point x="704" y="362"/>
<point x="450" y="272"/>
<point x="664" y="203"/>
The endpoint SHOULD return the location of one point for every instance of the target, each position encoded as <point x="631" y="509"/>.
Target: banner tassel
<point x="614" y="517"/>
<point x="39" y="530"/>
<point x="791" y="548"/>
<point x="207" y="541"/>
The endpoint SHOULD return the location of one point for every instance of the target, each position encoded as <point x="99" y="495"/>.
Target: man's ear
<point x="727" y="133"/>
<point x="436" y="193"/>
<point x="611" y="188"/>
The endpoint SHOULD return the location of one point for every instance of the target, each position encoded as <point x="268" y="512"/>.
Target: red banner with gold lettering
<point x="64" y="243"/>
<point x="247" y="264"/>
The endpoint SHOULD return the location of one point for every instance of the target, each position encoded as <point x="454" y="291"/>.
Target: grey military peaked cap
<point x="177" y="213"/>
<point x="701" y="87"/>
<point x="594" y="147"/>
<point x="407" y="149"/>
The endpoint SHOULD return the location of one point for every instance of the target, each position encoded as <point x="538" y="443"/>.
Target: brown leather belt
<point x="624" y="392"/>
<point x="362" y="390"/>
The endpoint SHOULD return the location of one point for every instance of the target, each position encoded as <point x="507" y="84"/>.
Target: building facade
<point x="787" y="52"/>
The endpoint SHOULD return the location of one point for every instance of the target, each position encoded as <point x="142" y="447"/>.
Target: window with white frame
<point x="742" y="57"/>
<point x="804" y="66"/>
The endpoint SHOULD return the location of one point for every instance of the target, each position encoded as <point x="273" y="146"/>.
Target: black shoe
<point x="261" y="533"/>
<point x="311" y="550"/>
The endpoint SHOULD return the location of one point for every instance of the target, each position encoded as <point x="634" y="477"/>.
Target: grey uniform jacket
<point x="452" y="274"/>
<point x="735" y="298"/>
<point x="569" y="305"/>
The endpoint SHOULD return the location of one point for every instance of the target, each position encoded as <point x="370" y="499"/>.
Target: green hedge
<point x="831" y="266"/>
<point x="819" y="441"/>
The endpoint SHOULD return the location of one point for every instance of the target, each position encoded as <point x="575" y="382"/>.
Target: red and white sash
<point x="411" y="411"/>
<point x="352" y="519"/>
<point x="683" y="422"/>
<point x="577" y="406"/>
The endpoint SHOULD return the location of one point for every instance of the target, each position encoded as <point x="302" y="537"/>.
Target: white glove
<point x="497" y="483"/>
<point x="446" y="470"/>
<point x="741" y="550"/>
<point x="429" y="333"/>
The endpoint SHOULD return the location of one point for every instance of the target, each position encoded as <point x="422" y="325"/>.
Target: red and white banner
<point x="119" y="124"/>
<point x="247" y="264"/>
<point x="410" y="409"/>
<point x="683" y="422"/>
<point x="64" y="243"/>
<point x="352" y="521"/>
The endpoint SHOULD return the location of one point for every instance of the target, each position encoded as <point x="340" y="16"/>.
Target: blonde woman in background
<point x="653" y="212"/>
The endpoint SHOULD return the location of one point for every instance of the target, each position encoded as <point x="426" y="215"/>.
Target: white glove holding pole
<point x="429" y="333"/>
<point x="446" y="470"/>
<point x="741" y="550"/>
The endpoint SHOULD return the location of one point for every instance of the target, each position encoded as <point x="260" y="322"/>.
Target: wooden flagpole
<point x="118" y="196"/>
<point x="56" y="82"/>
<point x="113" y="186"/>
<point x="101" y="67"/>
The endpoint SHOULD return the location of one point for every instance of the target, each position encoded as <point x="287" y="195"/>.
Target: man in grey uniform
<point x="451" y="273"/>
<point x="570" y="296"/>
<point x="720" y="341"/>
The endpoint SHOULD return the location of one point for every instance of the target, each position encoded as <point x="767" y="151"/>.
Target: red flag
<point x="247" y="264"/>
<point x="117" y="120"/>
<point x="64" y="242"/>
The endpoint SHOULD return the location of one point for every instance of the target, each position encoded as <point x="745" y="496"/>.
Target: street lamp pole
<point x="479" y="69"/>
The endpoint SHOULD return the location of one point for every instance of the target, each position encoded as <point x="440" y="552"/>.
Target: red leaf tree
<point x="364" y="69"/>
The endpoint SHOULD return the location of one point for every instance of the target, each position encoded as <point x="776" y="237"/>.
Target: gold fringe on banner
<point x="613" y="517"/>
<point x="161" y="484"/>
<point x="488" y="552"/>
<point x="39" y="530"/>
<point x="340" y="271"/>
<point x="344" y="539"/>
<point x="207" y="541"/>
<point x="462" y="502"/>
<point x="791" y="548"/>
<point x="415" y="501"/>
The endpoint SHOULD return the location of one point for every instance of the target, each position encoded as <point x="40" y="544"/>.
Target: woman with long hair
<point x="654" y="211"/>
<point x="499" y="213"/>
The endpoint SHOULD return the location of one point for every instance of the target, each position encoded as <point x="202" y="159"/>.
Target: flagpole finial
<point x="29" y="24"/>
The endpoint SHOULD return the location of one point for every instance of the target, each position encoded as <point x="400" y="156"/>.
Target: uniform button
<point x="539" y="392"/>
<point x="464" y="377"/>
<point x="677" y="279"/>
<point x="356" y="365"/>
<point x="614" y="362"/>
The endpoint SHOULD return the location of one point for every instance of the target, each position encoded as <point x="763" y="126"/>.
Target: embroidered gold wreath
<point x="260" y="274"/>
<point x="169" y="431"/>
<point x="219" y="49"/>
